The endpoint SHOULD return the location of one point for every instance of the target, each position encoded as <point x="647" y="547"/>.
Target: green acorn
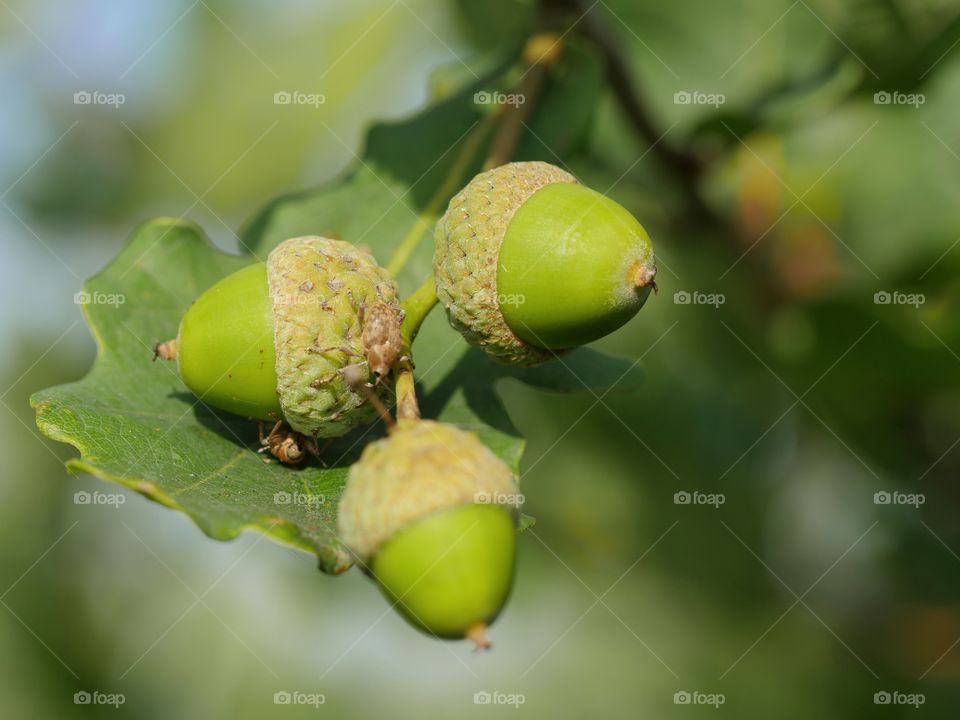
<point x="430" y="512"/>
<point x="530" y="263"/>
<point x="270" y="341"/>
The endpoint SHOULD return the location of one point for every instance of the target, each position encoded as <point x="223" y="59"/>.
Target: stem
<point x="541" y="51"/>
<point x="407" y="406"/>
<point x="451" y="183"/>
<point x="416" y="308"/>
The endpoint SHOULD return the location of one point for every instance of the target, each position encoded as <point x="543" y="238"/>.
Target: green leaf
<point x="135" y="423"/>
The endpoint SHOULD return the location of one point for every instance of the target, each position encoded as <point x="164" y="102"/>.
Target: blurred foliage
<point x="821" y="197"/>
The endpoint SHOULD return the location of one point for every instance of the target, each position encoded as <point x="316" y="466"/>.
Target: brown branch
<point x="682" y="164"/>
<point x="541" y="51"/>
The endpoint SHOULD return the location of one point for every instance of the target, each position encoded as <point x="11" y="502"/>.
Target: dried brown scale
<point x="286" y="445"/>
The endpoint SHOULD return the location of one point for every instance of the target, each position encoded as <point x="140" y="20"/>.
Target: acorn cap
<point x="468" y="240"/>
<point x="317" y="287"/>
<point x="421" y="468"/>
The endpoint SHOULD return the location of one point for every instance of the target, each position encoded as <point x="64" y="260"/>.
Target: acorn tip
<point x="477" y="633"/>
<point x="642" y="274"/>
<point x="166" y="350"/>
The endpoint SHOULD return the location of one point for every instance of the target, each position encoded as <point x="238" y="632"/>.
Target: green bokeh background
<point x="798" y="398"/>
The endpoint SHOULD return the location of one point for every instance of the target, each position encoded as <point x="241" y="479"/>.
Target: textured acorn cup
<point x="530" y="263"/>
<point x="431" y="513"/>
<point x="269" y="341"/>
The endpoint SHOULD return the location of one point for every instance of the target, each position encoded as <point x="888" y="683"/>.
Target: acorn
<point x="431" y="514"/>
<point x="529" y="263"/>
<point x="271" y="341"/>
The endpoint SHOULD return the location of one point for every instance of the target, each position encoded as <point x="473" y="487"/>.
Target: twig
<point x="540" y="52"/>
<point x="451" y="183"/>
<point x="683" y="165"/>
<point x="416" y="308"/>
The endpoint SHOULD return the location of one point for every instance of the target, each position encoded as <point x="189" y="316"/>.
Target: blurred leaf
<point x="405" y="162"/>
<point x="564" y="113"/>
<point x="794" y="100"/>
<point x="923" y="31"/>
<point x="496" y="24"/>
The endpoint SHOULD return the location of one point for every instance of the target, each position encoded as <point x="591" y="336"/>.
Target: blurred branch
<point x="438" y="201"/>
<point x="540" y="52"/>
<point x="685" y="167"/>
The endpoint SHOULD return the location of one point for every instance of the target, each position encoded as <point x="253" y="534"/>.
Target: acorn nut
<point x="431" y="513"/>
<point x="270" y="341"/>
<point x="530" y="263"/>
